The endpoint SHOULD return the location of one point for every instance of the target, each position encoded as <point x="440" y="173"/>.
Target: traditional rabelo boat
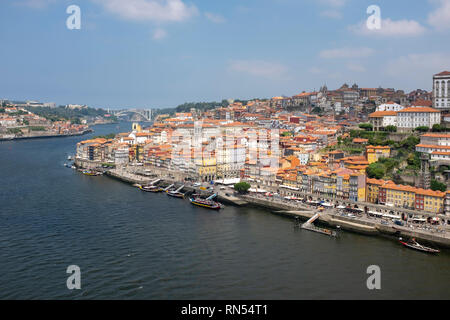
<point x="92" y="173"/>
<point x="413" y="244"/>
<point x="205" y="203"/>
<point x="176" y="193"/>
<point x="153" y="189"/>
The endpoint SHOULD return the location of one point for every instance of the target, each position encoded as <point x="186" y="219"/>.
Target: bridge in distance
<point x="147" y="115"/>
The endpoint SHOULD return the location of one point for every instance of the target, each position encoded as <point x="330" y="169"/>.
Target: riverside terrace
<point x="444" y="219"/>
<point x="138" y="175"/>
<point x="360" y="223"/>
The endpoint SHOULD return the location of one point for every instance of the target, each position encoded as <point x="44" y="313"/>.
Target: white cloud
<point x="346" y="53"/>
<point x="216" y="18"/>
<point x="333" y="3"/>
<point x="150" y="10"/>
<point x="333" y="10"/>
<point x="259" y="68"/>
<point x="411" y="65"/>
<point x="440" y="18"/>
<point x="159" y="34"/>
<point x="390" y="28"/>
<point x="356" y="67"/>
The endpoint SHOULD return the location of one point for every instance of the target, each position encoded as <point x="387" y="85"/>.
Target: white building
<point x="390" y="106"/>
<point x="8" y="122"/>
<point x="441" y="90"/>
<point x="413" y="117"/>
<point x="435" y="144"/>
<point x="303" y="157"/>
<point x="121" y="155"/>
<point x="382" y="119"/>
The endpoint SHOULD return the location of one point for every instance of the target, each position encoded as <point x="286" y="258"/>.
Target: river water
<point x="134" y="245"/>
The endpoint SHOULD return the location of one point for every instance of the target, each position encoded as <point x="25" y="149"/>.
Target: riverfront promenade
<point x="361" y="223"/>
<point x="364" y="224"/>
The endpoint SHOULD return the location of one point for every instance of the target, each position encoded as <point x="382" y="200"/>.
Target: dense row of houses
<point x="275" y="149"/>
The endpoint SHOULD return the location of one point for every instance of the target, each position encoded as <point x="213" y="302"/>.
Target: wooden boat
<point x="413" y="244"/>
<point x="92" y="173"/>
<point x="175" y="194"/>
<point x="205" y="203"/>
<point x="153" y="189"/>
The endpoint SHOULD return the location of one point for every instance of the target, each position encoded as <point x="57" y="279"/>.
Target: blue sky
<point x="161" y="53"/>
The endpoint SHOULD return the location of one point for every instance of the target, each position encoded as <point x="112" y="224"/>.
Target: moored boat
<point x="175" y="194"/>
<point x="153" y="189"/>
<point x="205" y="203"/>
<point x="413" y="244"/>
<point x="91" y="173"/>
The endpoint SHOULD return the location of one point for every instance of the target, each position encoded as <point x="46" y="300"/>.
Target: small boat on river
<point x="413" y="244"/>
<point x="176" y="193"/>
<point x="205" y="203"/>
<point x="92" y="173"/>
<point x="153" y="189"/>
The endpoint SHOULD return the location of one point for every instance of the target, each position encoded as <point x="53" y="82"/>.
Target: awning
<point x="257" y="190"/>
<point x="228" y="181"/>
<point x="390" y="216"/>
<point x="290" y="188"/>
<point x="326" y="204"/>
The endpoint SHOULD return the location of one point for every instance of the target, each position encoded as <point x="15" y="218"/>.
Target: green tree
<point x="438" y="186"/>
<point x="391" y="129"/>
<point x="422" y="129"/>
<point x="388" y="163"/>
<point x="107" y="137"/>
<point x="242" y="187"/>
<point x="410" y="143"/>
<point x="316" y="110"/>
<point x="437" y="128"/>
<point x="366" y="126"/>
<point x="376" y="170"/>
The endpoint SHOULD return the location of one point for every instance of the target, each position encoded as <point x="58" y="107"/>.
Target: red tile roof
<point x="419" y="109"/>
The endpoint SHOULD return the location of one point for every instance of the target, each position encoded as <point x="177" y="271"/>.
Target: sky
<point x="162" y="53"/>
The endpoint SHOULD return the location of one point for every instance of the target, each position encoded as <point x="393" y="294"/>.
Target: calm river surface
<point x="134" y="245"/>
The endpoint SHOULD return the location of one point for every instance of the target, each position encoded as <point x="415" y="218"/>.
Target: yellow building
<point x="206" y="166"/>
<point x="433" y="201"/>
<point x="137" y="127"/>
<point x="374" y="153"/>
<point x="401" y="196"/>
